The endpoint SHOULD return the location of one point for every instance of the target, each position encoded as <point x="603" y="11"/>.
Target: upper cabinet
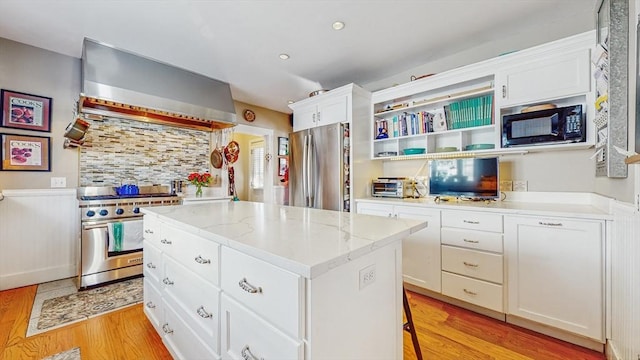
<point x="460" y="112"/>
<point x="552" y="77"/>
<point x="323" y="109"/>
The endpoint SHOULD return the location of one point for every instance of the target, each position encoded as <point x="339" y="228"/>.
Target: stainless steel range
<point x="111" y="234"/>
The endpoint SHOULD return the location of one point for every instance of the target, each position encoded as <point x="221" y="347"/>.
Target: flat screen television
<point x="466" y="178"/>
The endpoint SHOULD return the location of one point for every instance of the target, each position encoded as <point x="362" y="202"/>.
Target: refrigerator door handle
<point x="305" y="150"/>
<point x="310" y="175"/>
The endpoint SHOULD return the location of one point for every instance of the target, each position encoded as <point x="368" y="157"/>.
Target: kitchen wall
<point x="37" y="71"/>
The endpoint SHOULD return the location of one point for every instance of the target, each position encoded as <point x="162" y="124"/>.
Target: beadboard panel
<point x="39" y="236"/>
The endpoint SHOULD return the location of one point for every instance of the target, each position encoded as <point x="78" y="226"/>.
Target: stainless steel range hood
<point x="120" y="84"/>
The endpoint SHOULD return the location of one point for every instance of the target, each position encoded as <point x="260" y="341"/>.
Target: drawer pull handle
<point x="167" y="329"/>
<point x="201" y="260"/>
<point x="203" y="313"/>
<point x="151" y="305"/>
<point x="166" y="281"/>
<point x="470" y="241"/>
<point x="165" y="241"/>
<point x="471" y="222"/>
<point x="247" y="355"/>
<point x="549" y="223"/>
<point x="470" y="264"/>
<point x="469" y="292"/>
<point x="151" y="266"/>
<point x="248" y="287"/>
<point x="148" y="231"/>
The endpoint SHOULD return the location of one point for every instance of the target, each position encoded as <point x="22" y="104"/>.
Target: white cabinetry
<point x="472" y="265"/>
<point x="556" y="272"/>
<point x="324" y="109"/>
<point x="546" y="78"/>
<point x="421" y="250"/>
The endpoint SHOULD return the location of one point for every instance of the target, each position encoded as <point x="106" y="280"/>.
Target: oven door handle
<point x="91" y="227"/>
<point x="103" y="224"/>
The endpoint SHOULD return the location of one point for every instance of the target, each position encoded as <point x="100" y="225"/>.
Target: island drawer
<point x="477" y="292"/>
<point x="181" y="341"/>
<point x="152" y="268"/>
<point x="247" y="336"/>
<point x="195" y="300"/>
<point x="273" y="293"/>
<point x="476" y="264"/>
<point x="153" y="305"/>
<point x="471" y="239"/>
<point x="199" y="255"/>
<point x="152" y="229"/>
<point x="473" y="220"/>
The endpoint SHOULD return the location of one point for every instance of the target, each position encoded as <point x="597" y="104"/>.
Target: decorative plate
<point x="249" y="115"/>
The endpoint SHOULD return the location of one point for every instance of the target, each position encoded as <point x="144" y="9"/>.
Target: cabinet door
<point x="333" y="110"/>
<point x="544" y="79"/>
<point x="375" y="209"/>
<point x="555" y="271"/>
<point x="305" y="118"/>
<point x="421" y="250"/>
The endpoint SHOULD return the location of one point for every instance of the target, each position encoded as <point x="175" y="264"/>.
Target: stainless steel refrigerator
<point x="319" y="167"/>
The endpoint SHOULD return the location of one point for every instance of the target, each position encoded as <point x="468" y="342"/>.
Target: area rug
<point x="59" y="303"/>
<point x="73" y="354"/>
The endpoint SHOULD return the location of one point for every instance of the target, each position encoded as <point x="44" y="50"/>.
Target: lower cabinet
<point x="420" y="251"/>
<point x="556" y="272"/>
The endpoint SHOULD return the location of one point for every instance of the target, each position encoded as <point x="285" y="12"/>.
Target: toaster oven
<point x="392" y="187"/>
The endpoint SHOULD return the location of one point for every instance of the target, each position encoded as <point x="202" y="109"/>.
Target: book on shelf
<point x="470" y="112"/>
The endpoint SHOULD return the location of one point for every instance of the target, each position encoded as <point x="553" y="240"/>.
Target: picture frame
<point x="283" y="146"/>
<point x="603" y="22"/>
<point x="282" y="166"/>
<point x="25" y="153"/>
<point x="25" y="111"/>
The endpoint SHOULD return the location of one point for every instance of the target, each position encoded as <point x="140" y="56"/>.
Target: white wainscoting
<point x="39" y="236"/>
<point x="624" y="342"/>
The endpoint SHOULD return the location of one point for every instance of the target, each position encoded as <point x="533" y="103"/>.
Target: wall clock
<point x="249" y="115"/>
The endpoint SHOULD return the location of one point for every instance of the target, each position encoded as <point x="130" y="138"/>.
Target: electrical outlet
<point x="506" y="185"/>
<point x="58" y="182"/>
<point x="367" y="276"/>
<point x="519" y="185"/>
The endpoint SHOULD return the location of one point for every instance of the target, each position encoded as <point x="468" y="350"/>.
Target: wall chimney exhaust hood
<point x="120" y="84"/>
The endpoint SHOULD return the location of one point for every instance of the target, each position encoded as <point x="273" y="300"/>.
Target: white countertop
<point x="579" y="205"/>
<point x="305" y="241"/>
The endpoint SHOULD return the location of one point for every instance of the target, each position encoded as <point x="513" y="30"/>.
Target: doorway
<point x="254" y="171"/>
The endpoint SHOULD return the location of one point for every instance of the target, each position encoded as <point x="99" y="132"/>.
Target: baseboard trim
<point x="36" y="277"/>
<point x="557" y="333"/>
<point x="611" y="352"/>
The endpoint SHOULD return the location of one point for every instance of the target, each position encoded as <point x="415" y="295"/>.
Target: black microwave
<point x="543" y="127"/>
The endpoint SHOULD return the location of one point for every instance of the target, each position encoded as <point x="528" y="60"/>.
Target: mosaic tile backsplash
<point x="133" y="151"/>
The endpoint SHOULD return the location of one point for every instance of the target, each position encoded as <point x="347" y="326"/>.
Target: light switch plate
<point x="520" y="185"/>
<point x="506" y="185"/>
<point x="58" y="182"/>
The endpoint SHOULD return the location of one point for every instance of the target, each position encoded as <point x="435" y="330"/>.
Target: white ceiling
<point x="238" y="41"/>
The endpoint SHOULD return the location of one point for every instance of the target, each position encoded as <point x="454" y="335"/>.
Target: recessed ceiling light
<point x="284" y="56"/>
<point x="338" y="25"/>
<point x="290" y="102"/>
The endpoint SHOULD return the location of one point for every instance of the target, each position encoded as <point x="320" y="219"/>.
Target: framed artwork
<point x="25" y="153"/>
<point x="602" y="23"/>
<point x="25" y="111"/>
<point x="282" y="166"/>
<point x="283" y="146"/>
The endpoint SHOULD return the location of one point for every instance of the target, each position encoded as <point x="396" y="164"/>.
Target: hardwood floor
<point x="444" y="331"/>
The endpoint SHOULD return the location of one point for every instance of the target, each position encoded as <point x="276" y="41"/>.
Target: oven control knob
<point x="104" y="212"/>
<point x="91" y="213"/>
<point x="119" y="211"/>
<point x="136" y="210"/>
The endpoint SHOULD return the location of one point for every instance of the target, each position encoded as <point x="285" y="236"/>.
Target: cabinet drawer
<point x="247" y="336"/>
<point x="479" y="240"/>
<point x="152" y="229"/>
<point x="199" y="255"/>
<point x="273" y="293"/>
<point x="195" y="300"/>
<point x="472" y="220"/>
<point x="473" y="291"/>
<point x="152" y="268"/>
<point x="476" y="264"/>
<point x="181" y="341"/>
<point x="153" y="305"/>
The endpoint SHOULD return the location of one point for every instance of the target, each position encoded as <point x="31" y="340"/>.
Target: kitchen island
<point x="249" y="280"/>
